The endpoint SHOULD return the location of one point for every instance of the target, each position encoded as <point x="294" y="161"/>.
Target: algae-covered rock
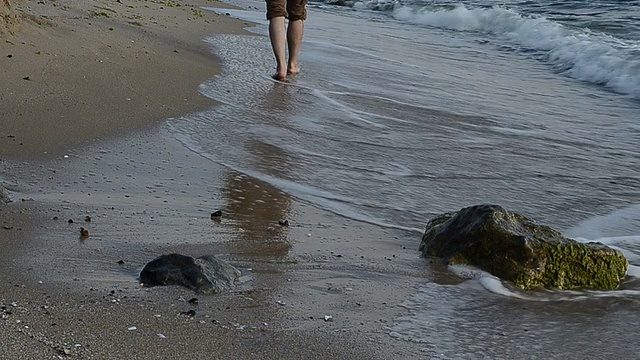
<point x="514" y="248"/>
<point x="206" y="274"/>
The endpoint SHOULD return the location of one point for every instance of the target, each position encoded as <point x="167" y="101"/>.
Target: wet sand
<point x="145" y="200"/>
<point x="108" y="156"/>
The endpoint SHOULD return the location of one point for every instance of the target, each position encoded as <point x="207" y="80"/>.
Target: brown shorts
<point x="291" y="9"/>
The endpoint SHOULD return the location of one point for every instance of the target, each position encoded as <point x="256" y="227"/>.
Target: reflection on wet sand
<point x="258" y="207"/>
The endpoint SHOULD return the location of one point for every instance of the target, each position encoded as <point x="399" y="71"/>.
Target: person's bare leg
<point x="295" y="31"/>
<point x="277" y="34"/>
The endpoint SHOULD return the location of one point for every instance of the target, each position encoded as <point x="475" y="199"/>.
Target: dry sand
<point x="78" y="70"/>
<point x="84" y="137"/>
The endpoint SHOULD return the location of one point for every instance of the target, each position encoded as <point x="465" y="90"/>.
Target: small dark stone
<point x="206" y="274"/>
<point x="70" y="221"/>
<point x="9" y="56"/>
<point x="55" y="218"/>
<point x="121" y="262"/>
<point x="87" y="218"/>
<point x="284" y="222"/>
<point x="216" y="214"/>
<point x="190" y="313"/>
<point x="193" y="301"/>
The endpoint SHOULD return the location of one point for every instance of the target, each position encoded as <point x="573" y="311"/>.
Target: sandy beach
<point x="75" y="71"/>
<point x="84" y="89"/>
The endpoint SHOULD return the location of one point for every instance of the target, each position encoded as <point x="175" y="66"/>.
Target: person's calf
<point x="278" y="37"/>
<point x="295" y="31"/>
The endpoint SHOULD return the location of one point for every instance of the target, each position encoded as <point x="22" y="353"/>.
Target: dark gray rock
<point x="514" y="248"/>
<point x="206" y="274"/>
<point x="4" y="196"/>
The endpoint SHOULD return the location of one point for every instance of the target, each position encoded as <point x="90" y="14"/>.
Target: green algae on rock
<point x="514" y="248"/>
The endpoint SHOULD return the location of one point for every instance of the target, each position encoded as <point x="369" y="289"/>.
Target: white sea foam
<point x="634" y="271"/>
<point x="582" y="54"/>
<point x="617" y="226"/>
<point x="468" y="272"/>
<point x="613" y="230"/>
<point x="495" y="285"/>
<point x="488" y="281"/>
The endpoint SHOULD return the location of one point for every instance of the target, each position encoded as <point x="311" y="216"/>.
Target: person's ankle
<point x="293" y="68"/>
<point x="280" y="75"/>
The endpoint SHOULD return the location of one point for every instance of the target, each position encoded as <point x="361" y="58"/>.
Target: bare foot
<point x="280" y="76"/>
<point x="293" y="69"/>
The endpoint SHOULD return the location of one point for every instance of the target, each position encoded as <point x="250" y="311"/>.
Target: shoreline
<point x="148" y="195"/>
<point x="69" y="291"/>
<point x="78" y="293"/>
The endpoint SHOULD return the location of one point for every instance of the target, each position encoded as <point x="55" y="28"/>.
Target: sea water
<point x="406" y="109"/>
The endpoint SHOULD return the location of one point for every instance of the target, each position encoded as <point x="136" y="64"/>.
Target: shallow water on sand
<point x="391" y="124"/>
